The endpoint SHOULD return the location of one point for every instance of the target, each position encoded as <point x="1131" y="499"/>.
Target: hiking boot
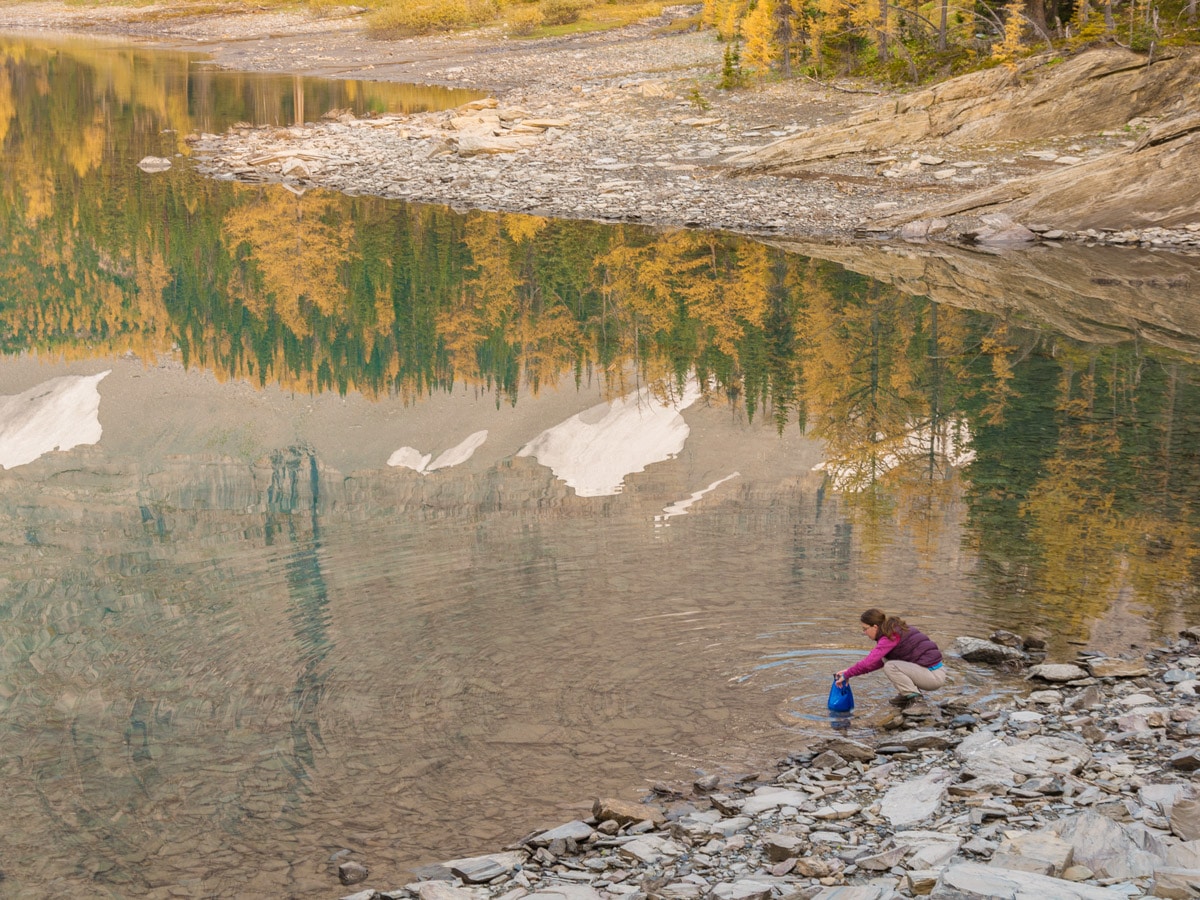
<point x="903" y="700"/>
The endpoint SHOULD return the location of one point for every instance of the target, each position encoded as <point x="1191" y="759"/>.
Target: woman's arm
<point x="872" y="661"/>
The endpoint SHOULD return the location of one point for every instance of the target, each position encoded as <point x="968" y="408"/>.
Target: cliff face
<point x="1153" y="182"/>
<point x="1156" y="183"/>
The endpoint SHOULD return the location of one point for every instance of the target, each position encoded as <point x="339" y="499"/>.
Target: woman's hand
<point x="840" y="678"/>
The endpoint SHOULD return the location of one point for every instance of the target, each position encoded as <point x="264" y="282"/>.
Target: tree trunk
<point x="883" y="35"/>
<point x="941" y="44"/>
<point x="1035" y="10"/>
<point x="783" y="33"/>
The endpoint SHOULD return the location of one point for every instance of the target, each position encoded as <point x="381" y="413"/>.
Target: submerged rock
<point x="981" y="651"/>
<point x="153" y="164"/>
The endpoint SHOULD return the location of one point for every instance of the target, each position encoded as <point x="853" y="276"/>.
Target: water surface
<point x="332" y="522"/>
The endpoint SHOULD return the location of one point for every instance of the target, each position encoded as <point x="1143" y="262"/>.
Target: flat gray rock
<point x="1107" y="667"/>
<point x="442" y="890"/>
<point x="914" y="739"/>
<point x="1057" y="672"/>
<point x="848" y="749"/>
<point x="994" y="762"/>
<point x="916" y="800"/>
<point x="564" y="892"/>
<point x="773" y="798"/>
<point x="479" y="870"/>
<point x="743" y="889"/>
<point x="856" y="892"/>
<point x="1105" y="847"/>
<point x="972" y="881"/>
<point x="577" y="831"/>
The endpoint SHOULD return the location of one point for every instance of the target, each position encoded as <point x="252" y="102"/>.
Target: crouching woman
<point x="910" y="660"/>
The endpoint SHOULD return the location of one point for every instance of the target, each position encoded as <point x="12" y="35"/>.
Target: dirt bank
<point x="628" y="125"/>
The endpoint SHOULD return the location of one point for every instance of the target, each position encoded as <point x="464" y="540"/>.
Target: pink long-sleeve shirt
<point x="874" y="659"/>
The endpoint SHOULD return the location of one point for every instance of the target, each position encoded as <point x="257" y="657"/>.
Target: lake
<point x="334" y="523"/>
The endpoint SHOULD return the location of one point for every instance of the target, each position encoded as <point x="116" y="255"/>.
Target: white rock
<point x="772" y="798"/>
<point x="972" y="881"/>
<point x="916" y="800"/>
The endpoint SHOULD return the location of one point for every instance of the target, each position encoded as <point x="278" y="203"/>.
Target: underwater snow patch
<point x="596" y="449"/>
<point x="411" y="458"/>
<point x="679" y="507"/>
<point x="57" y="414"/>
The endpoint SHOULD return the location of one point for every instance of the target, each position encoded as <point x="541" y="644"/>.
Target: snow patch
<point x="411" y="458"/>
<point x="679" y="507"/>
<point x="55" y="415"/>
<point x="595" y="450"/>
<point x="950" y="447"/>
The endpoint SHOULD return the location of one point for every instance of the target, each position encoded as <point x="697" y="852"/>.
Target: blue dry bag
<point x="841" y="699"/>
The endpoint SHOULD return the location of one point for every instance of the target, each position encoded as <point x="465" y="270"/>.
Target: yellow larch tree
<point x="762" y="45"/>
<point x="1014" y="30"/>
<point x="299" y="245"/>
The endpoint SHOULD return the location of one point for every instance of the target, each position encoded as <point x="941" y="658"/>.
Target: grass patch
<point x="520" y="18"/>
<point x="553" y="18"/>
<point x="414" y="17"/>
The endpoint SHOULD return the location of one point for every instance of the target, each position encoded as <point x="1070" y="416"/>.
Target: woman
<point x="910" y="660"/>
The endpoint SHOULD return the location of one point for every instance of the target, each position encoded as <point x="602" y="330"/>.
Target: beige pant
<point x="909" y="678"/>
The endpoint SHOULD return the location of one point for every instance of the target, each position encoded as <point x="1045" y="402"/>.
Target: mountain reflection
<point x="324" y="292"/>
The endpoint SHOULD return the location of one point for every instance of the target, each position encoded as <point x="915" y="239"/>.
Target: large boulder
<point x="973" y="881"/>
<point x="1105" y="847"/>
<point x="992" y="762"/>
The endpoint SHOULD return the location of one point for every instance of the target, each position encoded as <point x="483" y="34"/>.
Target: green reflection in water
<point x="1068" y="448"/>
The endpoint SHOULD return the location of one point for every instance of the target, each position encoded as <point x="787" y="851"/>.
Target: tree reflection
<point x="1075" y="463"/>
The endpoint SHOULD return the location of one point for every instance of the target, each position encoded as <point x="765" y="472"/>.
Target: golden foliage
<point x="297" y="253"/>
<point x="1014" y="30"/>
<point x="758" y="28"/>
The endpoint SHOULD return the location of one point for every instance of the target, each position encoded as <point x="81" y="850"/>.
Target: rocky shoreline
<point x="1084" y="788"/>
<point x="627" y="125"/>
<point x="633" y="142"/>
<point x="637" y="153"/>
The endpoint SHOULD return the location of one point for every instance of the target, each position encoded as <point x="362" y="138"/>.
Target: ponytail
<point x="889" y="626"/>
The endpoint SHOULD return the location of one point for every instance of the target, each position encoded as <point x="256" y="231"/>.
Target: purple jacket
<point x="909" y="646"/>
